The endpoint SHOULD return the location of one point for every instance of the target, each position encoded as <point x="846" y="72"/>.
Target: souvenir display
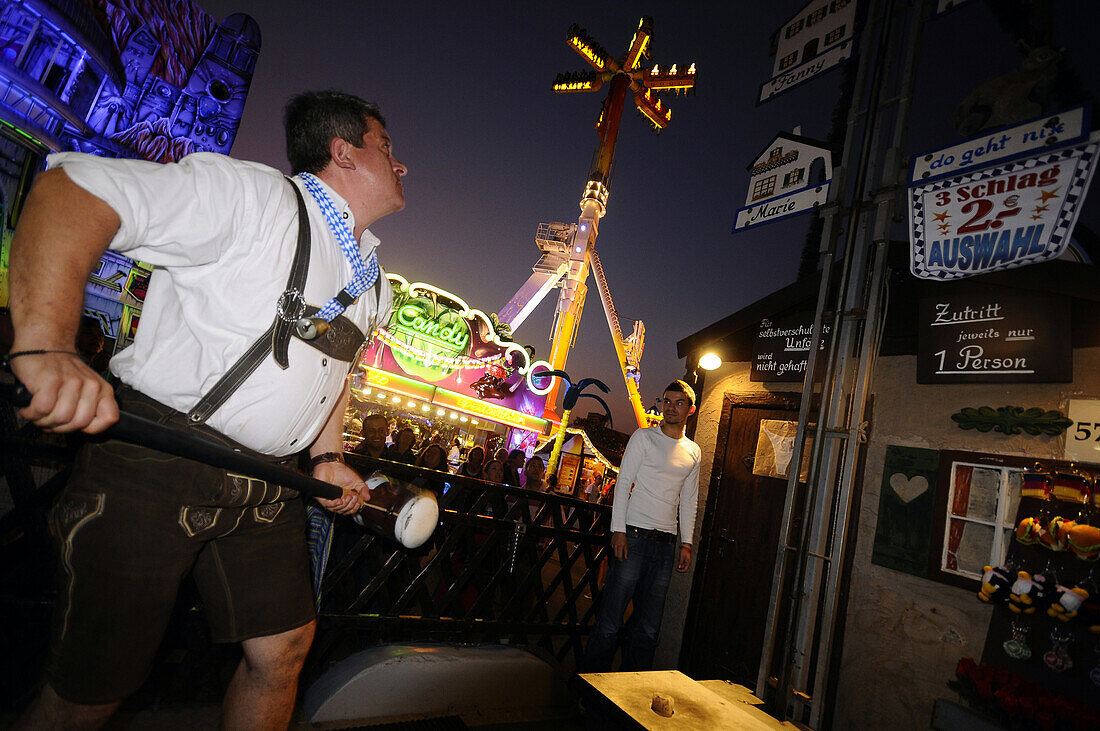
<point x="1045" y="595"/>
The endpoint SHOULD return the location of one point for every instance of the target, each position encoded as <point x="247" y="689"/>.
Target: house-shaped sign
<point x="815" y="39"/>
<point x="779" y="180"/>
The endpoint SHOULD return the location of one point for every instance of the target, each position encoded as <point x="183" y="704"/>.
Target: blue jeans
<point x="644" y="578"/>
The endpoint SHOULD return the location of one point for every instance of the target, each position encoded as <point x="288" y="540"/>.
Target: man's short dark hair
<point x="372" y="417"/>
<point x="313" y="119"/>
<point x="682" y="387"/>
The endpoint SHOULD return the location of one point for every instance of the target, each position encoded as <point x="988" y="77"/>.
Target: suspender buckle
<point x="291" y="305"/>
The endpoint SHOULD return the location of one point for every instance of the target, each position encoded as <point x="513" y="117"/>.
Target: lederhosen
<point x="132" y="522"/>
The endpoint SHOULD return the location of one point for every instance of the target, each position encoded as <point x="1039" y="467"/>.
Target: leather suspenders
<point x="342" y="341"/>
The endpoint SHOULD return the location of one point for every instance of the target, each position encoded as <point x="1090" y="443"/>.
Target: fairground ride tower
<point x="569" y="251"/>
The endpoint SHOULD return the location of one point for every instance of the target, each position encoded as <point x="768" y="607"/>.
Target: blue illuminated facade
<point x="151" y="79"/>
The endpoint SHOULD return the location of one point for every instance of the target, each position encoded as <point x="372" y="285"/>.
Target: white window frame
<point x="835" y="35"/>
<point x="1002" y="533"/>
<point x="763" y="188"/>
<point x="816" y="16"/>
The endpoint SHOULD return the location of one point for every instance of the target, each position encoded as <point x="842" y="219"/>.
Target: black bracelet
<point x="325" y="457"/>
<point x="9" y="356"/>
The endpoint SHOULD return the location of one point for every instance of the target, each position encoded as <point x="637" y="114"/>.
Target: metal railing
<point x="505" y="564"/>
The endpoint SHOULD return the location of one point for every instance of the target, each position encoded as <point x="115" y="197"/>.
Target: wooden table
<point x="708" y="704"/>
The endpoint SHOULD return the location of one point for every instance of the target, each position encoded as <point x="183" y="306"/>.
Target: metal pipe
<point x="146" y="433"/>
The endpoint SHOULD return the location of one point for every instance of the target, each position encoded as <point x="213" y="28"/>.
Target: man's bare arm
<point x="331" y="439"/>
<point x="62" y="232"/>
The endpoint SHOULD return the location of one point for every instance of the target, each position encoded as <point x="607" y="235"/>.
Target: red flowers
<point x="1020" y="702"/>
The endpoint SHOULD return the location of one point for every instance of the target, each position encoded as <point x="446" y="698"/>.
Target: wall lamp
<point x="710" y="361"/>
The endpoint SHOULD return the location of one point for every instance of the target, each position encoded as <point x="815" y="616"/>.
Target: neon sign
<point x="501" y="414"/>
<point x="430" y="347"/>
<point x="449" y="399"/>
<point x="413" y="317"/>
<point x="399" y="384"/>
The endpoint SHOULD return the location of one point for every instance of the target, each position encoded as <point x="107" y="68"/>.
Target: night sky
<point x="492" y="151"/>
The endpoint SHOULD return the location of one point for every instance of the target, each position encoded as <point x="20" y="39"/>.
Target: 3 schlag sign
<point x="1009" y="215"/>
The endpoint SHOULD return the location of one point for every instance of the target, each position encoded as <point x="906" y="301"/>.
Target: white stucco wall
<point x="904" y="634"/>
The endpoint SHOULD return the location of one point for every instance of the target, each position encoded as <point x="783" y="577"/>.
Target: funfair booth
<point x="449" y="371"/>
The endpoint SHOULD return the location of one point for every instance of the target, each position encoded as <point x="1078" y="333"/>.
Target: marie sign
<point x="1002" y="217"/>
<point x="774" y="209"/>
<point x="779" y="178"/>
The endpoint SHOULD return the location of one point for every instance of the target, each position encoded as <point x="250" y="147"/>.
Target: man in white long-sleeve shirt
<point x="658" y="479"/>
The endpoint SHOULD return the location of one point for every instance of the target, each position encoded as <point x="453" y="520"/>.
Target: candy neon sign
<point x="445" y="325"/>
<point x="414" y="318"/>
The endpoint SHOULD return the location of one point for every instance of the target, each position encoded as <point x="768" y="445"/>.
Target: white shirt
<point x="658" y="475"/>
<point x="221" y="234"/>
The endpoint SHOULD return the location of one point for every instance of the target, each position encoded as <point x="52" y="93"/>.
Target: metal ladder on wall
<point x="800" y="637"/>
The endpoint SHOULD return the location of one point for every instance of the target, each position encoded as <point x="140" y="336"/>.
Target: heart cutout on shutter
<point x="908" y="488"/>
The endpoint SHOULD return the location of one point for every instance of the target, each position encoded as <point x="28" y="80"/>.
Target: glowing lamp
<point x="710" y="361"/>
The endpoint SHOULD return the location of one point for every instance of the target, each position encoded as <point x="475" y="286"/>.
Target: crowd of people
<point x="382" y="438"/>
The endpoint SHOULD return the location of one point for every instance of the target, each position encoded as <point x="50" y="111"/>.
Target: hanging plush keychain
<point x="1029" y="531"/>
<point x="1072" y="485"/>
<point x="996" y="584"/>
<point x="1067" y="602"/>
<point x="1057" y="658"/>
<point x="1038" y="482"/>
<point x="1016" y="646"/>
<point x="1032" y="592"/>
<point x="1056" y="536"/>
<point x="1083" y="540"/>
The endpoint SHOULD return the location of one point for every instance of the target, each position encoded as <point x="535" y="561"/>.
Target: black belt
<point x="652" y="534"/>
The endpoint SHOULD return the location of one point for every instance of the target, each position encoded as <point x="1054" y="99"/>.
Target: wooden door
<point x="732" y="584"/>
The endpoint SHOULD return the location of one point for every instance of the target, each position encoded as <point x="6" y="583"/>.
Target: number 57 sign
<point x="1083" y="436"/>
